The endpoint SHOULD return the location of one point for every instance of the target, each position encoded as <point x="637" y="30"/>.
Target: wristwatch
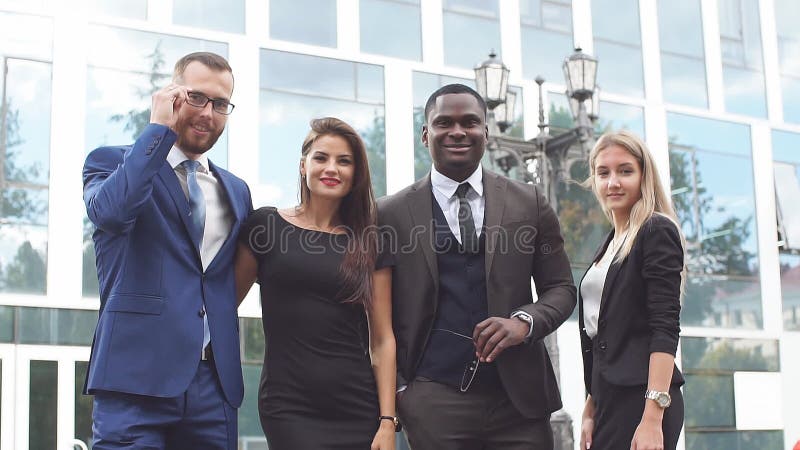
<point x="525" y="317"/>
<point x="662" y="399"/>
<point x="397" y="425"/>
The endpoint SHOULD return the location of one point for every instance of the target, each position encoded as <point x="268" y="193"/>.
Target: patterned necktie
<point x="466" y="224"/>
<point x="197" y="203"/>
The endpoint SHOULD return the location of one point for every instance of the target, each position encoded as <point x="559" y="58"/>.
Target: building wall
<point x="712" y="85"/>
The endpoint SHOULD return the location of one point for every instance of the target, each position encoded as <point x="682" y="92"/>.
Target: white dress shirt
<point x="219" y="217"/>
<point x="593" y="283"/>
<point x="444" y="190"/>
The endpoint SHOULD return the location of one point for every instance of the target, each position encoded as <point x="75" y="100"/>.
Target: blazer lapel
<point x="170" y="180"/>
<point x="494" y="188"/>
<point x="613" y="271"/>
<point x="420" y="209"/>
<point x="225" y="181"/>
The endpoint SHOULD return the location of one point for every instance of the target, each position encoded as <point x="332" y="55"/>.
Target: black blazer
<point x="639" y="310"/>
<point x="523" y="240"/>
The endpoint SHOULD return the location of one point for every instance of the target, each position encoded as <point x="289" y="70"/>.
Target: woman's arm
<point x="245" y="271"/>
<point x="383" y="353"/>
<point x="649" y="434"/>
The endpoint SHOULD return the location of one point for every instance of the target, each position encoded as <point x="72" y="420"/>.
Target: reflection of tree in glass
<point x="26" y="272"/>
<point x="137" y="119"/>
<point x="91" y="287"/>
<point x="375" y="140"/>
<point x="422" y="157"/>
<point x="711" y="252"/>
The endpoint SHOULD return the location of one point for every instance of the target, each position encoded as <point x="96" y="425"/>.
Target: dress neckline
<point x="285" y="220"/>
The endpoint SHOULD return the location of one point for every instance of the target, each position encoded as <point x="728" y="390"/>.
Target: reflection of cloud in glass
<point x="115" y="89"/>
<point x="12" y="237"/>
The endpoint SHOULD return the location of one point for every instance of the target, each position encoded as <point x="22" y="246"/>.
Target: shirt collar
<point x="176" y="157"/>
<point x="448" y="187"/>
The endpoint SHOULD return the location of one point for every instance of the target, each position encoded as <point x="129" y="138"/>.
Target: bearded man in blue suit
<point x="165" y="368"/>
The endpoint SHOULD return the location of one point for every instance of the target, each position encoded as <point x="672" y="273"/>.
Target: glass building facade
<point x="713" y="87"/>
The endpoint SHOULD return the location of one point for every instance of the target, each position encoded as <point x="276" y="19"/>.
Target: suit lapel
<point x="494" y="188"/>
<point x="420" y="209"/>
<point x="170" y="180"/>
<point x="226" y="182"/>
<point x="613" y="271"/>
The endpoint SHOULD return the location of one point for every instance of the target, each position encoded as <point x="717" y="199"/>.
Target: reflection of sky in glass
<point x="709" y="134"/>
<point x="28" y="36"/>
<point x="307" y="21"/>
<point x="284" y="125"/>
<point x="391" y="28"/>
<point x="543" y="53"/>
<point x="744" y="91"/>
<point x="791" y="99"/>
<point x="684" y="80"/>
<point x="302" y="74"/>
<point x="131" y="9"/>
<point x="616" y="116"/>
<point x="786" y="146"/>
<point x="220" y="15"/>
<point x="112" y="92"/>
<point x="469" y="39"/>
<point x="12" y="236"/>
<point x="132" y="50"/>
<point x="616" y="20"/>
<point x="621" y="68"/>
<point x="28" y="93"/>
<point x="680" y="28"/>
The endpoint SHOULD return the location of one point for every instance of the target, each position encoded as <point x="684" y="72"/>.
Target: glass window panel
<point x="56" y="326"/>
<point x="43" y="405"/>
<point x="469" y="39"/>
<point x="717" y="219"/>
<point x="220" y="15"/>
<point x="716" y="355"/>
<point x="23" y="259"/>
<point x="560" y="115"/>
<point x="24" y="206"/>
<point x="27" y="36"/>
<point x="6" y="324"/>
<point x="680" y="28"/>
<point x="711" y="401"/>
<point x="787" y="15"/>
<point x="83" y="405"/>
<point x="621" y="69"/>
<point x="684" y="80"/>
<point x="543" y="53"/>
<point x="616" y="20"/>
<point x="482" y="7"/>
<point x="369" y="83"/>
<point x="790" y="290"/>
<point x="131" y="9"/>
<point x="617" y="116"/>
<point x="786" y="146"/>
<point x="306" y="21"/>
<point x="735" y="440"/>
<point x="744" y="91"/>
<point x="791" y="98"/>
<point x="252" y="339"/>
<point x="298" y="73"/>
<point x="391" y="28"/>
<point x="26" y="105"/>
<point x="91" y="286"/>
<point x="249" y="423"/>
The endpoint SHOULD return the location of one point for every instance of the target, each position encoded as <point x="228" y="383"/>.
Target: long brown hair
<point x="357" y="211"/>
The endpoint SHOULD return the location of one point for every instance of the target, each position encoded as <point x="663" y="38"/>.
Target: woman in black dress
<point x="629" y="302"/>
<point x="328" y="379"/>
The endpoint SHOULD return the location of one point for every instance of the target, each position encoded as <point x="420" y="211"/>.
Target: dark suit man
<point x="469" y="337"/>
<point x="166" y="223"/>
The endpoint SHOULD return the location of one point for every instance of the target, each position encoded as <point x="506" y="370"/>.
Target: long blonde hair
<point x="654" y="199"/>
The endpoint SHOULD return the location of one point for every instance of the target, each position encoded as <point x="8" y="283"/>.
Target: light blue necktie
<point x="197" y="206"/>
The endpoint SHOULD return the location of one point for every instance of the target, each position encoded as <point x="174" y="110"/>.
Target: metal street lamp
<point x="545" y="159"/>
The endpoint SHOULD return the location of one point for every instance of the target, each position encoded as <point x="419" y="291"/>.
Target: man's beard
<point x="184" y="128"/>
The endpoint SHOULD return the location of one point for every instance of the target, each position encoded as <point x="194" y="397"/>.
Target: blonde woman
<point x="629" y="303"/>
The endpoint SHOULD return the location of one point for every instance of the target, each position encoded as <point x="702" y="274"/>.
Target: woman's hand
<point x="384" y="438"/>
<point x="648" y="436"/>
<point x="587" y="424"/>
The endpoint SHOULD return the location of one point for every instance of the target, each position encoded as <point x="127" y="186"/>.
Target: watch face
<point x="663" y="399"/>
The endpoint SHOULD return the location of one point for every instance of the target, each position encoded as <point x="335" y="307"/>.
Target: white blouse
<point x="593" y="283"/>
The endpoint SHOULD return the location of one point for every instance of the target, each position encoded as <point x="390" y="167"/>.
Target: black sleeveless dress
<point x="317" y="388"/>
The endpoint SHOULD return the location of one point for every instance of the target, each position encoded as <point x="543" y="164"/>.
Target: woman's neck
<point x="321" y="214"/>
<point x="621" y="222"/>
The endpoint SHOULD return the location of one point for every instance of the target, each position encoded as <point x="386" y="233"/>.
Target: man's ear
<point x="425" y="135"/>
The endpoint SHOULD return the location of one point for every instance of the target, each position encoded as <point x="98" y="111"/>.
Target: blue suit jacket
<point x="152" y="285"/>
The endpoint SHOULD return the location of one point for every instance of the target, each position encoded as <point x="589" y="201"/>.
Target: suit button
<point x="603" y="345"/>
<point x="201" y="313"/>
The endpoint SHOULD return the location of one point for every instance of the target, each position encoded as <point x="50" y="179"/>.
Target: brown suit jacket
<point x="523" y="240"/>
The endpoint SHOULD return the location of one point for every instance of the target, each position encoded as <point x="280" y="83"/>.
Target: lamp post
<point x="544" y="160"/>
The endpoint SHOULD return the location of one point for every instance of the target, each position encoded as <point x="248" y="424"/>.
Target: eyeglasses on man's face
<point x="200" y="100"/>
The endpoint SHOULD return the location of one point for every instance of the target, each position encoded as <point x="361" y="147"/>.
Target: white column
<point x="243" y="124"/>
<point x="7" y="397"/>
<point x="772" y="70"/>
<point x="651" y="51"/>
<point x="432" y="32"/>
<point x="657" y="137"/>
<point x="67" y="149"/>
<point x="582" y="26"/>
<point x="771" y="304"/>
<point x="399" y="98"/>
<point x="65" y="409"/>
<point x="347" y="28"/>
<point x="159" y="12"/>
<point x="511" y="38"/>
<point x="256" y="19"/>
<point x="714" y="81"/>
